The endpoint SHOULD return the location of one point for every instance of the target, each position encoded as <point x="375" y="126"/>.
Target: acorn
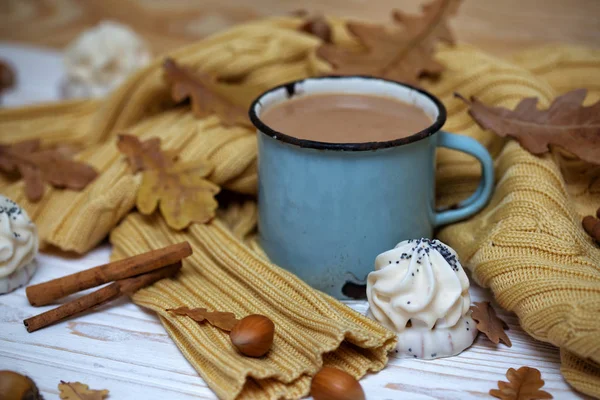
<point x="334" y="384"/>
<point x="253" y="335"/>
<point x="14" y="386"/>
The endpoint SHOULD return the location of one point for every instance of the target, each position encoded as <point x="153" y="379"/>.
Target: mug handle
<point x="483" y="193"/>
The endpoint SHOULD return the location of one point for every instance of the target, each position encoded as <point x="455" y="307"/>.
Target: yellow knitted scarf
<point x="527" y="245"/>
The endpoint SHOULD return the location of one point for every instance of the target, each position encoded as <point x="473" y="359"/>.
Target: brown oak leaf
<point x="179" y="190"/>
<point x="489" y="323"/>
<point x="36" y="166"/>
<point x="299" y="13"/>
<point x="566" y="123"/>
<point x="432" y="25"/>
<point x="319" y="27"/>
<point x="222" y="320"/>
<point x="140" y="154"/>
<point x="199" y="88"/>
<point x="79" y="391"/>
<point x="401" y="55"/>
<point x="524" y="384"/>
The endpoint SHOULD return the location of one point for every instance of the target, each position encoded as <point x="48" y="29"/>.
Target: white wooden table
<point x="124" y="348"/>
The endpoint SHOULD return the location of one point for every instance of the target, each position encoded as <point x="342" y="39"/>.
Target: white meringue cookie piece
<point x="422" y="281"/>
<point x="102" y="58"/>
<point x="422" y="342"/>
<point x="18" y="245"/>
<point x="18" y="278"/>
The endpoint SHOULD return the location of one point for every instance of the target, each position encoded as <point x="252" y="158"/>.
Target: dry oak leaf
<point x="36" y="166"/>
<point x="179" y="190"/>
<point x="319" y="27"/>
<point x="524" y="384"/>
<point x="199" y="88"/>
<point x="400" y="55"/>
<point x="79" y="391"/>
<point x="489" y="323"/>
<point x="566" y="123"/>
<point x="222" y="320"/>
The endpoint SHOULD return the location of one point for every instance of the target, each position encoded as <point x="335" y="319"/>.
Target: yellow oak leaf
<point x="79" y="391"/>
<point x="524" y="384"/>
<point x="179" y="190"/>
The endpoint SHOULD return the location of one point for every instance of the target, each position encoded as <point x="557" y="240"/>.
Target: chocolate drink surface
<point x="346" y="118"/>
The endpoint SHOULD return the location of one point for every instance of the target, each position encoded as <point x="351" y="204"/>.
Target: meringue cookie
<point x="101" y="58"/>
<point x="420" y="290"/>
<point x="18" y="246"/>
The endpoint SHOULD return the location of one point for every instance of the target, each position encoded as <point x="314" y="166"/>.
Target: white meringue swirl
<point x="18" y="241"/>
<point x="422" y="281"/>
<point x="101" y="58"/>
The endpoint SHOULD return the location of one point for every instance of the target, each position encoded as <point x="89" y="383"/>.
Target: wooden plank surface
<point x="498" y="26"/>
<point x="123" y="348"/>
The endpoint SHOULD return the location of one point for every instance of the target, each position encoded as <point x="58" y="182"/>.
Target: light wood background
<point x="124" y="348"/>
<point x="498" y="26"/>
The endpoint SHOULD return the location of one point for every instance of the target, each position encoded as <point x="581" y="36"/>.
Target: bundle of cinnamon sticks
<point x="127" y="276"/>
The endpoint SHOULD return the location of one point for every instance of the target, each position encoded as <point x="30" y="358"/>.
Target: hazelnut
<point x="14" y="386"/>
<point x="334" y="384"/>
<point x="253" y="335"/>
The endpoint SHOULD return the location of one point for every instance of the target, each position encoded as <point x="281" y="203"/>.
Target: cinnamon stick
<point x="125" y="286"/>
<point x="47" y="292"/>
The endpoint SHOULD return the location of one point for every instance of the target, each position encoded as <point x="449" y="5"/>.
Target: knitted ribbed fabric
<point x="527" y="245"/>
<point x="312" y="328"/>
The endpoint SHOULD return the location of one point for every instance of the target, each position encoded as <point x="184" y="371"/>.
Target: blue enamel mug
<point x="326" y="210"/>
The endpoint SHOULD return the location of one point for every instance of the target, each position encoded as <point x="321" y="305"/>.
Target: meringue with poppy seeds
<point x="420" y="290"/>
<point x="18" y="246"/>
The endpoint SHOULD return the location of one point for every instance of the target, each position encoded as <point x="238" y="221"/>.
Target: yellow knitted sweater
<point x="527" y="245"/>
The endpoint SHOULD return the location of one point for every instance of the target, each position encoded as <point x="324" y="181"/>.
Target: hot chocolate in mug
<point x="326" y="210"/>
